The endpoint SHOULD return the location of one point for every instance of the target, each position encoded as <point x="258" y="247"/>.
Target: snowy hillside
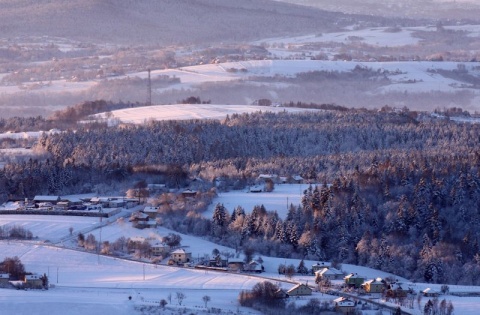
<point x="87" y="283"/>
<point x="163" y="22"/>
<point x="141" y="115"/>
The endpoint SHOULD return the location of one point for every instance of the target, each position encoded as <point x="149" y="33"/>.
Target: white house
<point x="344" y="305"/>
<point x="181" y="256"/>
<point x="329" y="273"/>
<point x="300" y="289"/>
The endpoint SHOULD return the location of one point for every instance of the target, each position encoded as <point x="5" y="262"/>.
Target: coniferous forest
<point x="397" y="191"/>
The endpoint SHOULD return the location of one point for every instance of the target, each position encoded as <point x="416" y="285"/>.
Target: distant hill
<point x="160" y="22"/>
<point x="431" y="9"/>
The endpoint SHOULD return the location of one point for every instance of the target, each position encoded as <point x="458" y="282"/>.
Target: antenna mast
<point x="149" y="87"/>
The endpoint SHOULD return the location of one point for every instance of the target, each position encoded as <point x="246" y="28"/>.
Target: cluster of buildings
<point x="104" y="206"/>
<point x="30" y="281"/>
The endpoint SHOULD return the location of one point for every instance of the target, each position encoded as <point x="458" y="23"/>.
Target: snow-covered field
<point x="51" y="228"/>
<point x="139" y="115"/>
<point x="192" y="77"/>
<point x="86" y="283"/>
<point x="406" y="77"/>
<point x="278" y="200"/>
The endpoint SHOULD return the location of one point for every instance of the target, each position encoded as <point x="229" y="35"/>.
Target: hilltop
<point x="166" y="22"/>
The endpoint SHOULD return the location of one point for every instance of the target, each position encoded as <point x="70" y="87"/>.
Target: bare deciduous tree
<point x="180" y="297"/>
<point x="206" y="299"/>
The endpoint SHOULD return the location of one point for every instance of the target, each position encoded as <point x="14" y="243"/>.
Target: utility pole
<point x="149" y="91"/>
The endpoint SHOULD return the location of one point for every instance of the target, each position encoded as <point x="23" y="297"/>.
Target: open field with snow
<point x="87" y="283"/>
<point x="49" y="227"/>
<point x="139" y="115"/>
<point x="278" y="200"/>
<point x="95" y="284"/>
<point x="243" y="82"/>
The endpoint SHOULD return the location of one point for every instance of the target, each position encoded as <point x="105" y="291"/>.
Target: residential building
<point x="397" y="290"/>
<point x="235" y="264"/>
<point x="281" y="294"/>
<point x="51" y="199"/>
<point x="374" y="286"/>
<point x="181" y="256"/>
<point x="253" y="266"/>
<point x="4" y="279"/>
<point x="218" y="261"/>
<point x="160" y="249"/>
<point x="344" y="305"/>
<point x="33" y="281"/>
<point x="430" y="293"/>
<point x="329" y="273"/>
<point x="151" y="211"/>
<point x="354" y="280"/>
<point x="319" y="266"/>
<point x="299" y="290"/>
<point x="188" y="193"/>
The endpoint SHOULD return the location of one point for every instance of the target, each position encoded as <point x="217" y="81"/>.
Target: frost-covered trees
<point x="14" y="267"/>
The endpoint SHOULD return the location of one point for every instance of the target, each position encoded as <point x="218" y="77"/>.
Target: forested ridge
<point x="400" y="192"/>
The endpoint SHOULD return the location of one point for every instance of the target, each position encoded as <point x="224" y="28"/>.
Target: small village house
<point x="354" y="280"/>
<point x="235" y="264"/>
<point x="344" y="305"/>
<point x="139" y="220"/>
<point x="159" y="249"/>
<point x="281" y="294"/>
<point x="33" y="281"/>
<point x="319" y="266"/>
<point x="300" y="290"/>
<point x="218" y="261"/>
<point x="73" y="201"/>
<point x="151" y="211"/>
<point x="154" y="188"/>
<point x="62" y="205"/>
<point x="188" y="193"/>
<point x="273" y="177"/>
<point x="374" y="286"/>
<point x="430" y="293"/>
<point x="397" y="290"/>
<point x="181" y="256"/>
<point x="253" y="266"/>
<point x="42" y="199"/>
<point x="329" y="273"/>
<point x="102" y="201"/>
<point x="4" y="279"/>
<point x="116" y="203"/>
<point x="297" y="179"/>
